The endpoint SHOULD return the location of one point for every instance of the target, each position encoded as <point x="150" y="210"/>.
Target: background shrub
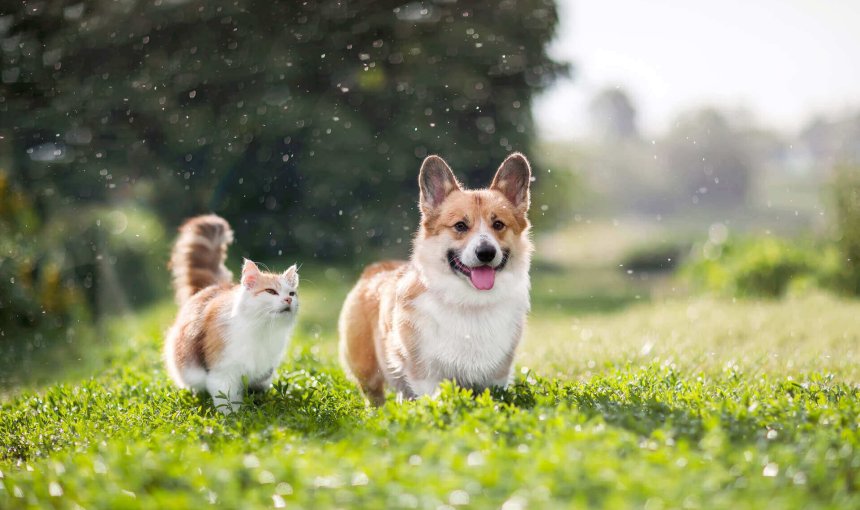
<point x="760" y="267"/>
<point x="56" y="274"/>
<point x="654" y="257"/>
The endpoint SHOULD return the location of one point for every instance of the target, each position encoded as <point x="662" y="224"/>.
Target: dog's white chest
<point x="469" y="344"/>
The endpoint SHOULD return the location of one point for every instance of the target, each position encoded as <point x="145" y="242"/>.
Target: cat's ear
<point x="250" y="273"/>
<point x="292" y="275"/>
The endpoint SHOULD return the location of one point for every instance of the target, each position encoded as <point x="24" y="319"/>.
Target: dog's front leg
<point x="425" y="387"/>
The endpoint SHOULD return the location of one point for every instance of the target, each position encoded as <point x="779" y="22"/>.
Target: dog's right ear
<point x="513" y="179"/>
<point x="436" y="181"/>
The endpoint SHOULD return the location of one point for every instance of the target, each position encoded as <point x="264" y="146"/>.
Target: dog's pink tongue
<point x="483" y="277"/>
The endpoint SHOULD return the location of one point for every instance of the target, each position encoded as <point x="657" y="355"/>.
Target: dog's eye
<point x="292" y="293"/>
<point x="461" y="226"/>
<point x="272" y="292"/>
<point x="498" y="225"/>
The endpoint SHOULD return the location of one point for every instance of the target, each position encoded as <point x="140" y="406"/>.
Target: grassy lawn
<point x="620" y="401"/>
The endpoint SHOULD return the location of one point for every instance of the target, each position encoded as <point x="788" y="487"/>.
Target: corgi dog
<point x="456" y="310"/>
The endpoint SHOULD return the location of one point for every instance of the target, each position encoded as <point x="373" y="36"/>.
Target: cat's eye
<point x="272" y="292"/>
<point x="292" y="293"/>
<point x="498" y="225"/>
<point x="461" y="226"/>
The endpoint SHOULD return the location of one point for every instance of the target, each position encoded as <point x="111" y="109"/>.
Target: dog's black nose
<point x="485" y="252"/>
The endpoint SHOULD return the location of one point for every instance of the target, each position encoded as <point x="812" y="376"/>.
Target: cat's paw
<point x="226" y="408"/>
<point x="262" y="383"/>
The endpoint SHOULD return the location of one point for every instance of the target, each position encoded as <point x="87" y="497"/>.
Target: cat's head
<point x="270" y="295"/>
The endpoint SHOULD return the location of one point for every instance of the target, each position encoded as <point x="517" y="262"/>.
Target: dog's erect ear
<point x="513" y="179"/>
<point x="436" y="181"/>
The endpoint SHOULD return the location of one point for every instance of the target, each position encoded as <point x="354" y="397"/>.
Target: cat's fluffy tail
<point x="197" y="260"/>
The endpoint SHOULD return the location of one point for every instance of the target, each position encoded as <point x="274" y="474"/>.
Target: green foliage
<point x="94" y="256"/>
<point x="33" y="289"/>
<point x="758" y="267"/>
<point x="769" y="266"/>
<point x="654" y="257"/>
<point x="57" y="273"/>
<point x="127" y="251"/>
<point x="303" y="123"/>
<point x="846" y="194"/>
<point x="40" y="300"/>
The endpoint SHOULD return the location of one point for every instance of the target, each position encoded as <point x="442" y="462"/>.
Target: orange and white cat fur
<point x="225" y="333"/>
<point x="456" y="310"/>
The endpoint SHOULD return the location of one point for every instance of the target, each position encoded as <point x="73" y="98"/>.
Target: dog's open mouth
<point x="482" y="277"/>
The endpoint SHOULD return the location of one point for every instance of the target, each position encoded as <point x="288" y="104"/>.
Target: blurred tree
<point x="846" y="201"/>
<point x="34" y="291"/>
<point x="709" y="159"/>
<point x="832" y="142"/>
<point x="613" y="115"/>
<point x="622" y="166"/>
<point x="302" y="122"/>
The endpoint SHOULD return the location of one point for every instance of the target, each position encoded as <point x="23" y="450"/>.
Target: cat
<point x="225" y="333"/>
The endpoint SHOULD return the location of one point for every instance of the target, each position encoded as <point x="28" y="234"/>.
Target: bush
<point x="762" y="267"/>
<point x="119" y="254"/>
<point x="768" y="267"/>
<point x="654" y="257"/>
<point x="58" y="274"/>
<point x="35" y="291"/>
<point x="43" y="310"/>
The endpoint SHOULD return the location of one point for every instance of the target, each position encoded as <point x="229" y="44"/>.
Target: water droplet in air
<point x="770" y="470"/>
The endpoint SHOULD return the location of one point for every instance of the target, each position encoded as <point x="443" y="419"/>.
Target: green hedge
<point x="764" y="267"/>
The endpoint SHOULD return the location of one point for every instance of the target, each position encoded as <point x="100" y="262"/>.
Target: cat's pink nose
<point x="288" y="300"/>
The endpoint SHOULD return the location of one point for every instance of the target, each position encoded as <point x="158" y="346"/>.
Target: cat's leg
<point x="226" y="391"/>
<point x="194" y="377"/>
<point x="262" y="383"/>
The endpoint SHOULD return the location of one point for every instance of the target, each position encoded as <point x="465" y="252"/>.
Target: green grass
<point x="619" y="402"/>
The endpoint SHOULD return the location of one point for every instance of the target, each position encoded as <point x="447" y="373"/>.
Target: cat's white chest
<point x="256" y="349"/>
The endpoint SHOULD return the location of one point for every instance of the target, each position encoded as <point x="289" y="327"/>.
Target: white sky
<point x="781" y="59"/>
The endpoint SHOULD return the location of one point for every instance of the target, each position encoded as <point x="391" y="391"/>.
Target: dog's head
<point x="480" y="237"/>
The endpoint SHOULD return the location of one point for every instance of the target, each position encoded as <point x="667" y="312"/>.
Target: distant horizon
<point x="782" y="62"/>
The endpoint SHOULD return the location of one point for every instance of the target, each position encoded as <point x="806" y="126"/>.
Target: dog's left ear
<point x="436" y="181"/>
<point x="513" y="179"/>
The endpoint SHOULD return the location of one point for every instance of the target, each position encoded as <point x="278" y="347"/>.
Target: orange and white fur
<point x="456" y="310"/>
<point x="225" y="333"/>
